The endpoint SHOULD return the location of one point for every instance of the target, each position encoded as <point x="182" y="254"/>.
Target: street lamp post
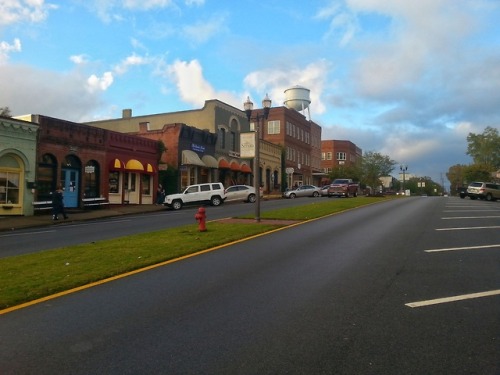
<point x="248" y="106"/>
<point x="403" y="168"/>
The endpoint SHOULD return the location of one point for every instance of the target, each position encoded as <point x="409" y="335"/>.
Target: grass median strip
<point x="28" y="277"/>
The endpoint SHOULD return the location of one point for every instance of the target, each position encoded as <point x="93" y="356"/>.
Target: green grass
<point x="28" y="277"/>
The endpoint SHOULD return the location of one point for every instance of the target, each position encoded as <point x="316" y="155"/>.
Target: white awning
<point x="210" y="161"/>
<point x="191" y="158"/>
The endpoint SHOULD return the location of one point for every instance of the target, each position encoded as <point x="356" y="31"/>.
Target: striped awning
<point x="223" y="164"/>
<point x="191" y="158"/>
<point x="210" y="161"/>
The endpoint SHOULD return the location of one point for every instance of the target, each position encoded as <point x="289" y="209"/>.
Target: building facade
<point x="299" y="138"/>
<point x="89" y="162"/>
<point x="335" y="153"/>
<point x="18" y="144"/>
<point x="216" y="120"/>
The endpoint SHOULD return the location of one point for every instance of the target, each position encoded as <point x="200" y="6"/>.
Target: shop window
<point x="46" y="177"/>
<point x="91" y="179"/>
<point x="114" y="182"/>
<point x="146" y="184"/>
<point x="9" y="187"/>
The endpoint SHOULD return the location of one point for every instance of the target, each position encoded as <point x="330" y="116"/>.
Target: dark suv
<point x="484" y="190"/>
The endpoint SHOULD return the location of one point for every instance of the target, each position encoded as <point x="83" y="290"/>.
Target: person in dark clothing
<point x="160" y="195"/>
<point x="58" y="204"/>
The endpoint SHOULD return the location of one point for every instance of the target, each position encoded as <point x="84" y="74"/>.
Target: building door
<point x="70" y="182"/>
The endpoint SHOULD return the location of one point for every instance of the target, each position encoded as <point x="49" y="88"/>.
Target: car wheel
<point x="315" y="194"/>
<point x="355" y="195"/>
<point x="489" y="197"/>
<point x="216" y="201"/>
<point x="177" y="205"/>
<point x="292" y="196"/>
<point x="347" y="194"/>
<point x="252" y="198"/>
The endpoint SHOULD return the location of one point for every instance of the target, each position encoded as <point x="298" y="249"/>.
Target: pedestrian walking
<point x="58" y="204"/>
<point x="160" y="195"/>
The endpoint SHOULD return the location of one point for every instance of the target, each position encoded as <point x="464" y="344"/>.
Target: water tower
<point x="297" y="97"/>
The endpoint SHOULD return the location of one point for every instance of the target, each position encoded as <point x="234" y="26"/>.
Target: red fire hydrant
<point x="201" y="217"/>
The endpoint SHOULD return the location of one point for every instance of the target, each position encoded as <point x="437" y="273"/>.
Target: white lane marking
<point x="470" y="217"/>
<point x="452" y="299"/>
<point x="470" y="210"/>
<point x="26" y="234"/>
<point x="469" y="228"/>
<point x="462" y="248"/>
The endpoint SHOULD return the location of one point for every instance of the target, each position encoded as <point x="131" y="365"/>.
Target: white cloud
<point x="130" y="61"/>
<point x="15" y="11"/>
<point x="193" y="87"/>
<point x="58" y="95"/>
<point x="95" y="83"/>
<point x="276" y="80"/>
<point x="6" y="49"/>
<point x="204" y="30"/>
<point x="79" y="59"/>
<point x="146" y="4"/>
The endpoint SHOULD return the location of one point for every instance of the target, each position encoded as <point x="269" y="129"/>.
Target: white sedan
<point x="303" y="191"/>
<point x="241" y="193"/>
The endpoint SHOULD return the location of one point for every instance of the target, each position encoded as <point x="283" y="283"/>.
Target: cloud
<point x="202" y="31"/>
<point x="193" y="88"/>
<point x="130" y="61"/>
<point x="79" y="59"/>
<point x="16" y="11"/>
<point x="95" y="83"/>
<point x="55" y="94"/>
<point x="6" y="49"/>
<point x="276" y="80"/>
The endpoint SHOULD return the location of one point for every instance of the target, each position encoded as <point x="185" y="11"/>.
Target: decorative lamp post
<point x="403" y="168"/>
<point x="248" y="106"/>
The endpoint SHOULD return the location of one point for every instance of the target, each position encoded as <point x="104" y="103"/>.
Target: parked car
<point x="303" y="191"/>
<point x="324" y="190"/>
<point x="212" y="193"/>
<point x="483" y="190"/>
<point x="243" y="193"/>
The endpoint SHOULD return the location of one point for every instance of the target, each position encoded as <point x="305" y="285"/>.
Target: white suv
<point x="212" y="193"/>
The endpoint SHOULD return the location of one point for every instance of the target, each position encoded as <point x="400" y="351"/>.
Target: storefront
<point x="17" y="166"/>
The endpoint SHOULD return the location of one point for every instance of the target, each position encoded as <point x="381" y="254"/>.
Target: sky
<point x="403" y="78"/>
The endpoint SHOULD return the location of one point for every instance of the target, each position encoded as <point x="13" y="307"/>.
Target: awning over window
<point x="150" y="168"/>
<point x="191" y="158"/>
<point x="116" y="165"/>
<point x="235" y="166"/>
<point x="134" y="165"/>
<point x="245" y="168"/>
<point x="210" y="161"/>
<point x="223" y="164"/>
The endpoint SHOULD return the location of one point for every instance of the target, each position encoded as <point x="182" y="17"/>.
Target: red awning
<point x="223" y="164"/>
<point x="235" y="167"/>
<point x="245" y="168"/>
<point x="116" y="165"/>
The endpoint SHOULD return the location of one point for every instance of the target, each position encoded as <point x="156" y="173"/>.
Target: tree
<point x="456" y="176"/>
<point x="477" y="172"/>
<point x="375" y="165"/>
<point x="485" y="148"/>
<point x="5" y="112"/>
<point x="346" y="171"/>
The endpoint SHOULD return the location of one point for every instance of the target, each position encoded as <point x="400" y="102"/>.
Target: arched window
<point x="46" y="177"/>
<point x="91" y="179"/>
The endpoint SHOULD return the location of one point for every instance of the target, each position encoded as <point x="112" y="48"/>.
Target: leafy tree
<point x="346" y="171"/>
<point x="375" y="165"/>
<point x="456" y="176"/>
<point x="477" y="172"/>
<point x="5" y="112"/>
<point x="485" y="148"/>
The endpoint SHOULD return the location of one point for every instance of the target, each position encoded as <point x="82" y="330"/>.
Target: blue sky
<point x="408" y="79"/>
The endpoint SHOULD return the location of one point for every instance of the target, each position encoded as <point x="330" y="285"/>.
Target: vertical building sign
<point x="247" y="142"/>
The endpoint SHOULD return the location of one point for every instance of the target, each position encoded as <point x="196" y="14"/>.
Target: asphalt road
<point x="353" y="293"/>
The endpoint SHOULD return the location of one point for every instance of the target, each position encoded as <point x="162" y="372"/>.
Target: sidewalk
<point x="8" y="223"/>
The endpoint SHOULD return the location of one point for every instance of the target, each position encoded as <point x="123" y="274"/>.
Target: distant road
<point x="409" y="286"/>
